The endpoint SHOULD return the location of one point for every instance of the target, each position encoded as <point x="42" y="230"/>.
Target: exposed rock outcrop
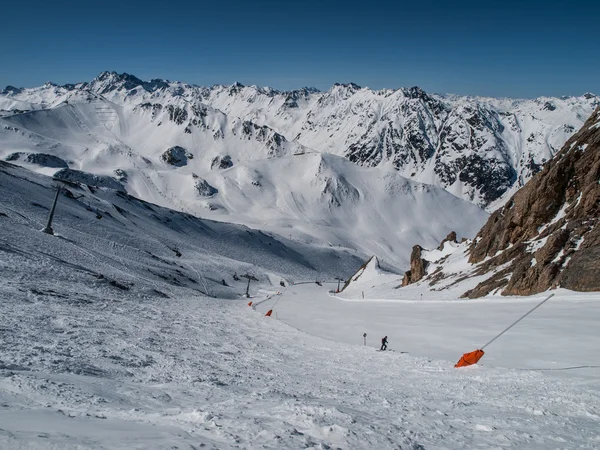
<point x="121" y="175"/>
<point x="418" y="267"/>
<point x="176" y="156"/>
<point x="203" y="188"/>
<point x="89" y="179"/>
<point x="547" y="235"/>
<point x="450" y="238"/>
<point x="41" y="159"/>
<point x="221" y="162"/>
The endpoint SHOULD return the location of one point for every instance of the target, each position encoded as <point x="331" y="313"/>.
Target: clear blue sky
<point x="497" y="48"/>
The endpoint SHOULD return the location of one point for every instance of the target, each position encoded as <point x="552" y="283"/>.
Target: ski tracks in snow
<point x="201" y="371"/>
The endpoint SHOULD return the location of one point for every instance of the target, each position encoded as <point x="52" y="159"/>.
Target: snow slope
<point x="194" y="373"/>
<point x="108" y="340"/>
<point x="310" y="197"/>
<point x="105" y="235"/>
<point x="559" y="339"/>
<point x="447" y="276"/>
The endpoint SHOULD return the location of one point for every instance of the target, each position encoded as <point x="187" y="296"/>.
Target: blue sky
<point x="509" y="48"/>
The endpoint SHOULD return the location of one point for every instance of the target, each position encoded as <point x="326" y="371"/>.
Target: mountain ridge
<point x="545" y="237"/>
<point x="265" y="89"/>
<point x="477" y="148"/>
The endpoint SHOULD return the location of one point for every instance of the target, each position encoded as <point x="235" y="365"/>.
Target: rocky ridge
<point x="546" y="235"/>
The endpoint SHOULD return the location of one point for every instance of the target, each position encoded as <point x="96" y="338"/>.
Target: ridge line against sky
<point x="320" y="91"/>
<point x="514" y="49"/>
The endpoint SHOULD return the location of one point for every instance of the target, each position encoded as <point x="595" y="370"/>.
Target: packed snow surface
<point x="118" y="332"/>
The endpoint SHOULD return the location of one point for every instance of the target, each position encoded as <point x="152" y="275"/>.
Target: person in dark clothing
<point x="384" y="343"/>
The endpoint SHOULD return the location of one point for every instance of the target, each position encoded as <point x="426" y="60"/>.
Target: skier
<point x="384" y="343"/>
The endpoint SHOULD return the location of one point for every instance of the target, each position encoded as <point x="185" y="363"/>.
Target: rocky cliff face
<point x="547" y="235"/>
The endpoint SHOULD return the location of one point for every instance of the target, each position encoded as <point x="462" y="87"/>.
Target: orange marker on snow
<point x="470" y="358"/>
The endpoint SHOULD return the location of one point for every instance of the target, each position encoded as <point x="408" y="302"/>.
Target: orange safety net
<point x="470" y="358"/>
<point x="269" y="312"/>
<point x="249" y="303"/>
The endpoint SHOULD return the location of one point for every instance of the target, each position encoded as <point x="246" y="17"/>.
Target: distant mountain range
<point x="476" y="148"/>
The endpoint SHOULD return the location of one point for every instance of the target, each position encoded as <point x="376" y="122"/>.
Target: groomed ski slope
<point x="180" y="373"/>
<point x="141" y="358"/>
<point x="559" y="337"/>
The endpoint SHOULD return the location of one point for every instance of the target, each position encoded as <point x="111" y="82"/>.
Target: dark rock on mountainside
<point x="221" y="162"/>
<point x="121" y="175"/>
<point x="41" y="159"/>
<point x="203" y="188"/>
<point x="176" y="156"/>
<point x="78" y="176"/>
<point x="109" y="81"/>
<point x="546" y="236"/>
<point x="273" y="141"/>
<point x="465" y="145"/>
<point x="177" y="114"/>
<point x="10" y="90"/>
<point x="450" y="238"/>
<point x="418" y="267"/>
<point x="292" y="97"/>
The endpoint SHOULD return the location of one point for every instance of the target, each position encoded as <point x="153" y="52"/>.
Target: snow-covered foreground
<point x="107" y="340"/>
<point x="181" y="373"/>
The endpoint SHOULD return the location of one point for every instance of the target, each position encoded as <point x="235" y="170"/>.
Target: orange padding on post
<point x="269" y="312"/>
<point x="249" y="303"/>
<point x="470" y="358"/>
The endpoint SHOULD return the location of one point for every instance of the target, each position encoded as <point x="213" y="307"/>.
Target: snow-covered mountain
<point x="123" y="235"/>
<point x="476" y="148"/>
<point x="350" y="167"/>
<point x="173" y="145"/>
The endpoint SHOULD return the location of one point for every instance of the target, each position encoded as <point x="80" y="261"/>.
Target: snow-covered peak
<point x="353" y="87"/>
<point x="112" y="81"/>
